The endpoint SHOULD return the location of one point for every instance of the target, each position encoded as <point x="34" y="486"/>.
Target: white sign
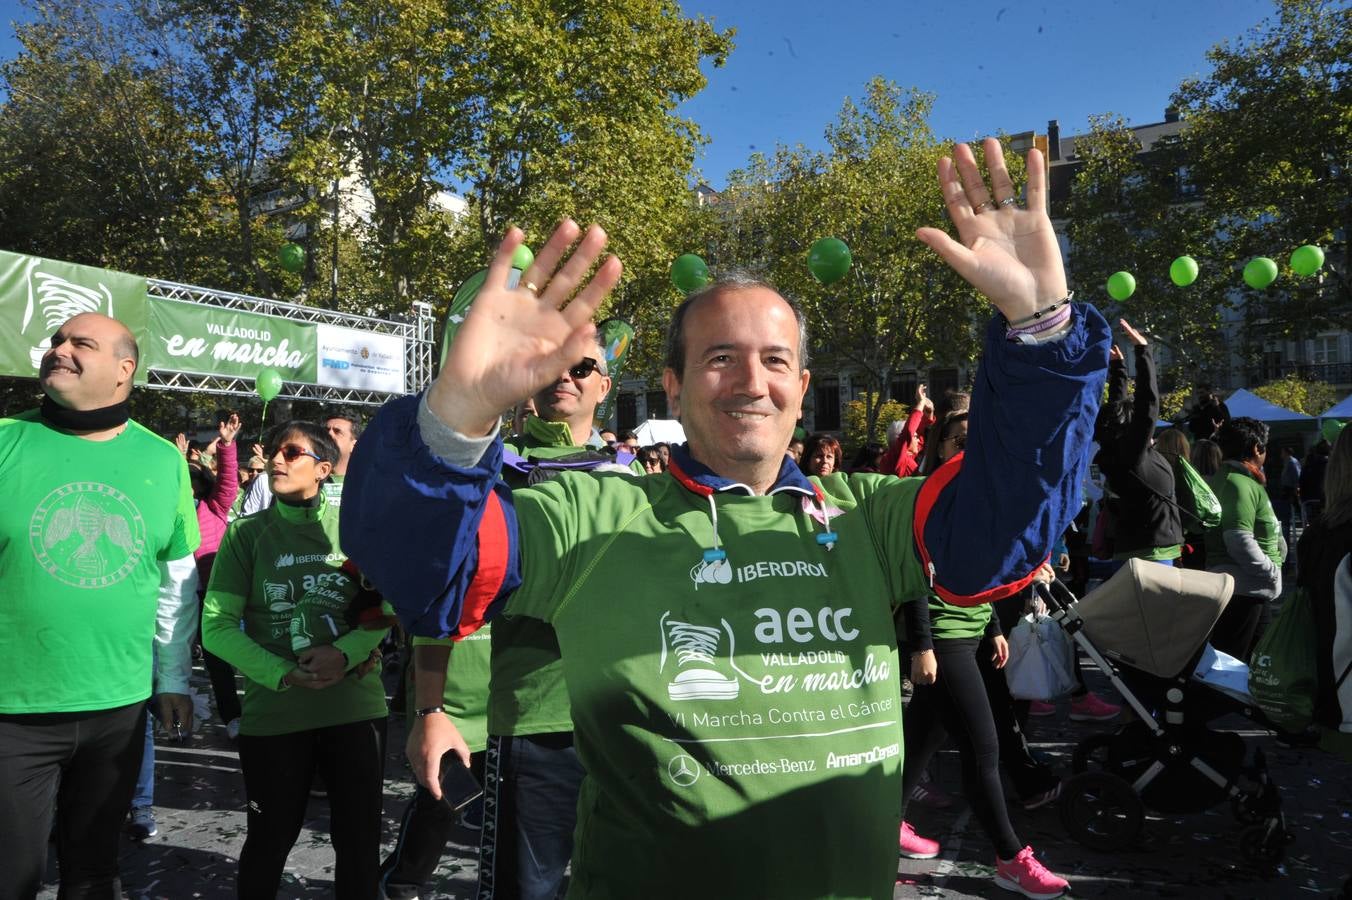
<point x="360" y="359"/>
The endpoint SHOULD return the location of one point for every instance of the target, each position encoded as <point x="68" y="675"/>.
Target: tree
<point x="1126" y="212"/>
<point x="859" y="431"/>
<point x="1296" y="393"/>
<point x="1269" y="141"/>
<point x="873" y="186"/>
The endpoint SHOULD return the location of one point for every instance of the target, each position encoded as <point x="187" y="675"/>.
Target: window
<point x="1326" y="350"/>
<point x="903" y="388"/>
<point x="1187" y="187"/>
<point x="657" y="404"/>
<point x="827" y="402"/>
<point x="626" y="412"/>
<point x="940" y="381"/>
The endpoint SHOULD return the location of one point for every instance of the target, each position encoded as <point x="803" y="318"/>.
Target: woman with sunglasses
<point x="282" y="573"/>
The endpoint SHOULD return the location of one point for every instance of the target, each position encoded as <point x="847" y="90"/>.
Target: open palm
<point x="514" y="341"/>
<point x="1009" y="254"/>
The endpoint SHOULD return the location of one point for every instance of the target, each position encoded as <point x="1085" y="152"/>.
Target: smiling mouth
<point x="748" y="415"/>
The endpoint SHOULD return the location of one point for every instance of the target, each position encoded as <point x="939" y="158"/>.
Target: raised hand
<point x="516" y="341"/>
<point x="229" y="428"/>
<point x="1132" y="334"/>
<point x="1008" y="254"/>
<point x="1115" y="354"/>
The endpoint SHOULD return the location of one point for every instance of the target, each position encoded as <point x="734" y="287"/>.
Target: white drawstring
<point x="716" y="553"/>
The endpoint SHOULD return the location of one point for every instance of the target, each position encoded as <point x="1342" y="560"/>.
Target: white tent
<point x="655" y="431"/>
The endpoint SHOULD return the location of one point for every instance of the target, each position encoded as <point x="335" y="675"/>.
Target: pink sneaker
<point x="1025" y="875"/>
<point x="1038" y="708"/>
<point x="913" y="846"/>
<point x="1090" y="708"/>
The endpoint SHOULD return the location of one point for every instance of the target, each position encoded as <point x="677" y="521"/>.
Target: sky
<point x="1002" y="65"/>
<point x="995" y="65"/>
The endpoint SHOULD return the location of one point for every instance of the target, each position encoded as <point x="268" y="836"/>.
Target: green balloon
<point x="689" y="273"/>
<point x="1183" y="271"/>
<point x="268" y="384"/>
<point x="1307" y="260"/>
<point x="1121" y="285"/>
<point x="292" y="257"/>
<point x="1260" y="272"/>
<point x="522" y="257"/>
<point x="828" y="259"/>
<point x="1330" y="429"/>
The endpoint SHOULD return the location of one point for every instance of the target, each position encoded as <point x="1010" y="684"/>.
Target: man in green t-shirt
<point x="531" y="769"/>
<point x="345" y="429"/>
<point x="737" y="707"/>
<point x="96" y="507"/>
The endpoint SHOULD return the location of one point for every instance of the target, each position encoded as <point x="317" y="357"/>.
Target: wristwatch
<point x="427" y="711"/>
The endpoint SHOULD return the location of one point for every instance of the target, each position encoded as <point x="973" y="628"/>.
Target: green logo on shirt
<point x="87" y="534"/>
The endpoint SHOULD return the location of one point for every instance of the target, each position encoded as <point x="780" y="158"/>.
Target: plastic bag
<point x="1196" y="500"/>
<point x="1041" y="660"/>
<point x="1282" y="675"/>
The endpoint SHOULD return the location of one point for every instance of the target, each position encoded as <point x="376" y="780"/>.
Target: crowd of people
<point x="749" y="682"/>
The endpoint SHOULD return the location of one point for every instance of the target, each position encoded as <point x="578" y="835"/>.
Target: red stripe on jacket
<point x="491" y="570"/>
<point x="924" y="505"/>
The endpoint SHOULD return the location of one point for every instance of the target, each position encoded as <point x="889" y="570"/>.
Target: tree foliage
<point x="859" y="430"/>
<point x="1296" y="393"/>
<point x="1269" y="140"/>
<point x="1128" y="212"/>
<point x="900" y="305"/>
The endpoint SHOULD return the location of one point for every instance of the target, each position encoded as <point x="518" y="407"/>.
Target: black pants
<point x="530" y="811"/>
<point x="222" y="676"/>
<point x="425" y="828"/>
<point x="1029" y="777"/>
<point x="82" y="768"/>
<point x="956" y="705"/>
<point x="1237" y="630"/>
<point x="278" y="772"/>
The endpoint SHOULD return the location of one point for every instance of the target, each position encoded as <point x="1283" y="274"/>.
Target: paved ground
<point x="199" y="803"/>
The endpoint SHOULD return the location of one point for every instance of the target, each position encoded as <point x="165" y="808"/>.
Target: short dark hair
<point x="317" y="436"/>
<point x="352" y="419"/>
<point x="734" y="281"/>
<point x="1237" y="437"/>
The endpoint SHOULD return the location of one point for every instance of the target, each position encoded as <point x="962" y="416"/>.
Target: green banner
<point x="209" y="340"/>
<point x="38" y="295"/>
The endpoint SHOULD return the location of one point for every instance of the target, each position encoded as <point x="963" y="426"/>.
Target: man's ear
<point x="672" y="385"/>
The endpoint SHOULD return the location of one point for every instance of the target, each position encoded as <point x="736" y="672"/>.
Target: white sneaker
<point x="232" y="729"/>
<point x="695" y="648"/>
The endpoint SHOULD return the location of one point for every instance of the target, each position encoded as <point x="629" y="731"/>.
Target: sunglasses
<point x="293" y="452"/>
<point x="256" y="471"/>
<point x="584" y="369"/>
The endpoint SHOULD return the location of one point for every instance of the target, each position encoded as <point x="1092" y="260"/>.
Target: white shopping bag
<point x="1041" y="660"/>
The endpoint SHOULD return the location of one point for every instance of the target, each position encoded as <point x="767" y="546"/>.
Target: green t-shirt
<point x="279" y="571"/>
<point x="527" y="694"/>
<point x="951" y="622"/>
<point x="1244" y="507"/>
<point x="465" y="698"/>
<point x="716" y="703"/>
<point x="333" y="490"/>
<point x="83" y="529"/>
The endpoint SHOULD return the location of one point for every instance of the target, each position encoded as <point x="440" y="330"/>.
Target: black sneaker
<point x="142" y="825"/>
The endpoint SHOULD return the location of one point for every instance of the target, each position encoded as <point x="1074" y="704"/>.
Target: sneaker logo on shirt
<point x="87" y="534"/>
<point x="695" y="649"/>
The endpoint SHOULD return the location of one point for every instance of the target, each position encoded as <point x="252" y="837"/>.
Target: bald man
<point x="96" y="509"/>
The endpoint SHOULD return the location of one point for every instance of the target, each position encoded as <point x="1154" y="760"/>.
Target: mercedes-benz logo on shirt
<point x="683" y="770"/>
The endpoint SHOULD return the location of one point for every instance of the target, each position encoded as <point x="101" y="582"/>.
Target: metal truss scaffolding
<point x="416" y="331"/>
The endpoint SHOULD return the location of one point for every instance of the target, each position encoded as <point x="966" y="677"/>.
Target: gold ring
<point x="983" y="206"/>
<point x="532" y="287"/>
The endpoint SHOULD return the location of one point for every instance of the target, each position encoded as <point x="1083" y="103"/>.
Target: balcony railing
<point x="1330" y="373"/>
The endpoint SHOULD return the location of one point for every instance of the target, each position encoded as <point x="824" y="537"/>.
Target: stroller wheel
<point x="1092" y="753"/>
<point x="1264" y="844"/>
<point x="1101" y="811"/>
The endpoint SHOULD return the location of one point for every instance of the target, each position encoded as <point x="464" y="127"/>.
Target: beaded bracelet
<point x="1041" y="330"/>
<point x="1065" y="301"/>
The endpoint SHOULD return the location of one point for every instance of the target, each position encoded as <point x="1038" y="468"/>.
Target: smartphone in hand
<point x="459" y="787"/>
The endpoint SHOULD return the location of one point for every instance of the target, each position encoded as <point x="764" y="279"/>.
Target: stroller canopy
<point x="1155" y="618"/>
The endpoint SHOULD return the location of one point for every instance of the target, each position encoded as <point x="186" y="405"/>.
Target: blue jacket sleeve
<point x="438" y="541"/>
<point x="989" y="526"/>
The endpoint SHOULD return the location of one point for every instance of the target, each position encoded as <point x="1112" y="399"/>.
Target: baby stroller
<point x="1147" y="628"/>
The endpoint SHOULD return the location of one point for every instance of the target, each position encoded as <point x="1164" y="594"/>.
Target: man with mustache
<point x="737" y="707"/>
<point x="96" y="509"/>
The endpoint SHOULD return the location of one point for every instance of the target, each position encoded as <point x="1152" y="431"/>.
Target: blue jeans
<point x="145" y="781"/>
<point x="530" y="810"/>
